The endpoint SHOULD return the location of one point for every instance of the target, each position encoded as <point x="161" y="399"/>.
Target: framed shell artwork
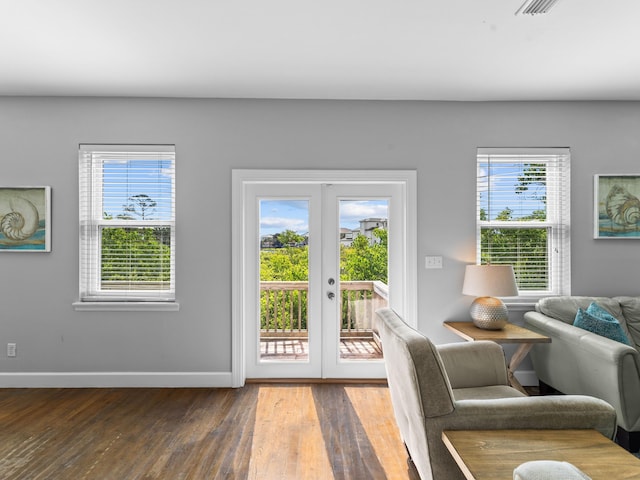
<point x="25" y="219"/>
<point x="617" y="206"/>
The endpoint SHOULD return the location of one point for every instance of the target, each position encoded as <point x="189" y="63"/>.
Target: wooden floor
<point x="261" y="431"/>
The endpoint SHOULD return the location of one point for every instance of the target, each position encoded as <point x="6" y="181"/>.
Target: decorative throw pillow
<point x="597" y="320"/>
<point x="599" y="311"/>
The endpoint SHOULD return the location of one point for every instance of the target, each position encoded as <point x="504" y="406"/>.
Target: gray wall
<point x="39" y="139"/>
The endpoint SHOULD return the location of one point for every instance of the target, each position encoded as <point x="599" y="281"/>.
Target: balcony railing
<point x="283" y="308"/>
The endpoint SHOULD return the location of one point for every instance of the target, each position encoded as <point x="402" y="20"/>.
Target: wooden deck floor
<point x="284" y="349"/>
<point x="261" y="431"/>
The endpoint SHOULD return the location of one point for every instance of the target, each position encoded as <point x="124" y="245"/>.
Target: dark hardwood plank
<point x="261" y="431"/>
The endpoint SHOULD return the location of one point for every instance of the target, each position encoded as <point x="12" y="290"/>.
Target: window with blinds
<point x="523" y="216"/>
<point x="127" y="223"/>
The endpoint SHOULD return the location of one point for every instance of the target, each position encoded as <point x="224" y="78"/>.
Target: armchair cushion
<point x="474" y="364"/>
<point x="486" y="393"/>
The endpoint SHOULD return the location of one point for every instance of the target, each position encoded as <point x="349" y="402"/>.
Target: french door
<point x="319" y="258"/>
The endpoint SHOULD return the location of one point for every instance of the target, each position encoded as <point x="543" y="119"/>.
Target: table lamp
<point x="487" y="282"/>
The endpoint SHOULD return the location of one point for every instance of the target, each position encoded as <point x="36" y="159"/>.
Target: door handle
<point x="331" y="295"/>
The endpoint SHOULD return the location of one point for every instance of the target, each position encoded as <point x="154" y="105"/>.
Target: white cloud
<point x="280" y="224"/>
<point x="354" y="211"/>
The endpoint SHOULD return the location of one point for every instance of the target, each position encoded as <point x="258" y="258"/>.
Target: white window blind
<point x="523" y="216"/>
<point x="127" y="223"/>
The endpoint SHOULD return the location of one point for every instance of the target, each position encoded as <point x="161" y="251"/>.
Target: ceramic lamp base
<point x="489" y="313"/>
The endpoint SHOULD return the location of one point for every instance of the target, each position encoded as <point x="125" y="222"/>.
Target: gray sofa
<point x="580" y="362"/>
<point x="464" y="386"/>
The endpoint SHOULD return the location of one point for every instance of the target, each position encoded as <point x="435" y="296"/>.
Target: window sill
<point x="126" y="306"/>
<point x="523" y="303"/>
<point x="521" y="306"/>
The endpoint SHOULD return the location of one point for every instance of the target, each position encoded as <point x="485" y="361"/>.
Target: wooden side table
<point x="494" y="454"/>
<point x="509" y="334"/>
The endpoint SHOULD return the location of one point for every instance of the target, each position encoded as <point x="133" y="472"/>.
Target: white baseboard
<point x="527" y="378"/>
<point x="115" y="379"/>
<point x="147" y="379"/>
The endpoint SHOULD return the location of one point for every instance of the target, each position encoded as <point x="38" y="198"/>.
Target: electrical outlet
<point x="11" y="349"/>
<point x="433" y="261"/>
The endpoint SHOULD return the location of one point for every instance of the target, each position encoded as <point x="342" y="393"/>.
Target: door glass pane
<point x="363" y="275"/>
<point x="284" y="280"/>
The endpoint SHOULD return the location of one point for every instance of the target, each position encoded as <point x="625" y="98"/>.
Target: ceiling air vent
<point x="535" y="7"/>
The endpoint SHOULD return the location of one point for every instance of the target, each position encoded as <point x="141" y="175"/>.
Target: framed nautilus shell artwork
<point x="25" y="219"/>
<point x="617" y="206"/>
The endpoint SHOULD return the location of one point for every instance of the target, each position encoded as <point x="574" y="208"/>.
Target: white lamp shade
<point x="489" y="281"/>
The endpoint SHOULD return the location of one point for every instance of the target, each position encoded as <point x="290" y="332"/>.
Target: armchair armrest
<point x="548" y="412"/>
<point x="474" y="364"/>
<point x="552" y="412"/>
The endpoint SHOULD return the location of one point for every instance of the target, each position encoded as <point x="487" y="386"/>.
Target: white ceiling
<point x="341" y="49"/>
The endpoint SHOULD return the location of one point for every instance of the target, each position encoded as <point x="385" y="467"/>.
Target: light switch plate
<point x="433" y="261"/>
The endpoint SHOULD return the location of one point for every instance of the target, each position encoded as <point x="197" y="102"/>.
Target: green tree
<point x="289" y="238"/>
<point x="141" y="205"/>
<point x="503" y="246"/>
<point x="288" y="264"/>
<point x="365" y="260"/>
<point x="134" y="255"/>
<point x="532" y="180"/>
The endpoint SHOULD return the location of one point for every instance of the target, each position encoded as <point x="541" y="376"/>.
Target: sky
<point x="279" y="215"/>
<point x="123" y="179"/>
<point x="500" y="194"/>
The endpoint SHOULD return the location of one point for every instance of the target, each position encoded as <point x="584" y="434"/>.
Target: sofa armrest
<point x="474" y="364"/>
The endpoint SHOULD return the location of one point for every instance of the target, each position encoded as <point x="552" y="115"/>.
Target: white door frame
<point x="405" y="304"/>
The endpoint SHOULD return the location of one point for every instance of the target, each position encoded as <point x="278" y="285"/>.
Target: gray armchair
<point x="464" y="386"/>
